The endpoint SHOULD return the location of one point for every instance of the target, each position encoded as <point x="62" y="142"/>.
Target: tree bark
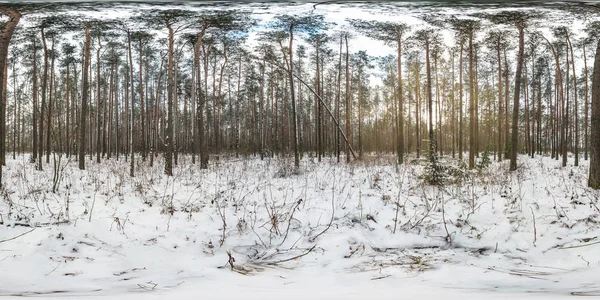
<point x="43" y="104"/>
<point x="472" y="132"/>
<point x="594" y="177"/>
<point x="99" y="121"/>
<point x="293" y="96"/>
<point x="500" y="101"/>
<point x="169" y="130"/>
<point x="142" y="113"/>
<point x="347" y="99"/>
<point x="515" y="120"/>
<point x="576" y="108"/>
<point x="429" y="103"/>
<point x="460" y="102"/>
<point x="586" y="108"/>
<point x="84" y="99"/>
<point x="132" y="108"/>
<point x="400" y="145"/>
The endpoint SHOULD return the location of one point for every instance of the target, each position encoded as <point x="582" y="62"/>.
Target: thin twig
<point x="287" y="230"/>
<point x="292" y="258"/>
<point x="534" y="228"/>
<point x="312" y="239"/>
<point x="579" y="246"/>
<point x="18" y="236"/>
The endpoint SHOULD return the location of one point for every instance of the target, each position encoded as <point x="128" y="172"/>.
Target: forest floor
<point x="252" y="229"/>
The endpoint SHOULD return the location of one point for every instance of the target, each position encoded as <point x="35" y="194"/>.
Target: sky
<point x="337" y="13"/>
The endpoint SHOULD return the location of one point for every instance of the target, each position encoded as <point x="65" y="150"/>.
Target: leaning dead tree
<point x="6" y="33"/>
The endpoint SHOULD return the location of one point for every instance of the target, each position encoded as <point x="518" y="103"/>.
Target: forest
<point x="374" y="140"/>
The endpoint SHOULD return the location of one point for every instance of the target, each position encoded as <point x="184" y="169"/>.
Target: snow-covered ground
<point x="252" y="229"/>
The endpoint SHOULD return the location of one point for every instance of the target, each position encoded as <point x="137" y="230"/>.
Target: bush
<point x="438" y="173"/>
<point x="435" y="173"/>
<point x="485" y="161"/>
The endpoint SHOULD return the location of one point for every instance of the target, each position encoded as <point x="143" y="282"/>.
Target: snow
<point x="119" y="240"/>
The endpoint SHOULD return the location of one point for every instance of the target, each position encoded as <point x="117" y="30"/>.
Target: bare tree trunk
<point x="142" y="112"/>
<point x="98" y="103"/>
<point x="199" y="136"/>
<point x="586" y="108"/>
<point x="84" y="99"/>
<point x="360" y="146"/>
<point x="110" y="111"/>
<point x="460" y="103"/>
<point x="49" y="120"/>
<point x="68" y="102"/>
<point x="170" y="85"/>
<point x="565" y="112"/>
<point x="293" y="96"/>
<point x="500" y="100"/>
<point x="594" y="177"/>
<point x="347" y="98"/>
<point x="453" y="108"/>
<point x="337" y="100"/>
<point x="218" y="137"/>
<point x="515" y="120"/>
<point x="43" y="104"/>
<point x="132" y="108"/>
<point x="473" y="133"/>
<point x="429" y="103"/>
<point x="576" y="108"/>
<point x="506" y="107"/>
<point x="400" y="150"/>
<point x="35" y="102"/>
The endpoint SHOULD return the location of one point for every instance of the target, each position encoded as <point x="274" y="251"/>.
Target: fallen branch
<point x="287" y="230"/>
<point x="16" y="237"/>
<point x="312" y="239"/>
<point x="534" y="228"/>
<point x="291" y="258"/>
<point x="579" y="246"/>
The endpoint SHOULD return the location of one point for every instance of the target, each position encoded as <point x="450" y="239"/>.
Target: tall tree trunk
<point x="359" y="104"/>
<point x="3" y="131"/>
<point x="218" y="138"/>
<point x="68" y="102"/>
<point x="418" y="114"/>
<point x="347" y="99"/>
<point x="400" y="149"/>
<point x="6" y="33"/>
<point x="594" y="177"/>
<point x="515" y="120"/>
<point x="170" y="85"/>
<point x="318" y="104"/>
<point x="533" y="109"/>
<point x="132" y="108"/>
<point x="199" y="136"/>
<point x="429" y="104"/>
<point x="472" y="132"/>
<point x="586" y="108"/>
<point x="506" y="108"/>
<point x="142" y="113"/>
<point x="438" y="105"/>
<point x="110" y="111"/>
<point x="50" y="93"/>
<point x="500" y="101"/>
<point x="84" y="99"/>
<point x="43" y="104"/>
<point x="293" y="96"/>
<point x="576" y="108"/>
<point x="453" y="107"/>
<point x="460" y="103"/>
<point x="565" y="112"/>
<point x="99" y="121"/>
<point x="34" y="112"/>
<point x="337" y="100"/>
